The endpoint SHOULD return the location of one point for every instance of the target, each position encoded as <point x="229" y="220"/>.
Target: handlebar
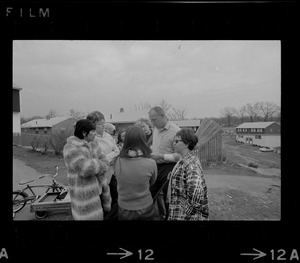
<point x="50" y="175"/>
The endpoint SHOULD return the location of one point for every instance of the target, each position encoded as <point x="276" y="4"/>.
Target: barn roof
<point x="38" y="123"/>
<point x="127" y="116"/>
<point x="255" y="125"/>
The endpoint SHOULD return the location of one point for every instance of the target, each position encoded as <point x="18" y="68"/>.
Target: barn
<point x="48" y="125"/>
<point x="263" y="134"/>
<point x="191" y="124"/>
<point x="122" y="119"/>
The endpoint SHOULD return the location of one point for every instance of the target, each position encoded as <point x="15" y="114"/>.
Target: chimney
<point x="121" y="109"/>
<point x="110" y="116"/>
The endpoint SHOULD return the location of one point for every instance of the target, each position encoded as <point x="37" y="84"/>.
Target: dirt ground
<point x="235" y="191"/>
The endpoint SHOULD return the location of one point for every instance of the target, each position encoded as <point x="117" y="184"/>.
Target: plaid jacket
<point x="188" y="190"/>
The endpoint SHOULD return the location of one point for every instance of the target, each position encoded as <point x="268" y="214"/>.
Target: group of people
<point x="149" y="173"/>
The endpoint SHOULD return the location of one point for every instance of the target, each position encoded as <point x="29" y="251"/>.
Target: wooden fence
<point x="209" y="148"/>
<point x="211" y="152"/>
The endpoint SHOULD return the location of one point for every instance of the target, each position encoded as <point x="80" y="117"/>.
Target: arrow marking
<point x="126" y="254"/>
<point x="259" y="254"/>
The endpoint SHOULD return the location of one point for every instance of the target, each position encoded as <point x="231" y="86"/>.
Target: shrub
<point x="45" y="143"/>
<point x="253" y="165"/>
<point x="58" y="140"/>
<point x="35" y="143"/>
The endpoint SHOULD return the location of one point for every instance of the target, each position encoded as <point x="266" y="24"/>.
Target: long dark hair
<point x="135" y="139"/>
<point x="119" y="136"/>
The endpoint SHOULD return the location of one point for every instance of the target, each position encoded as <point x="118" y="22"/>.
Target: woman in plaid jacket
<point x="89" y="191"/>
<point x="187" y="192"/>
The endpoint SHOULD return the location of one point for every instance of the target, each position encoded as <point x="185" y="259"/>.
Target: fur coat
<point x="87" y="182"/>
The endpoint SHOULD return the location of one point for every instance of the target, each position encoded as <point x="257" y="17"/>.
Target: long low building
<point x="123" y="119"/>
<point x="48" y="125"/>
<point x="263" y="134"/>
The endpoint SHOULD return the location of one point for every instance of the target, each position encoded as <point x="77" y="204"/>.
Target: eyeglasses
<point x="176" y="141"/>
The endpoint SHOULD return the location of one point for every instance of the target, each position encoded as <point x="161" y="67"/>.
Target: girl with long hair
<point x="135" y="172"/>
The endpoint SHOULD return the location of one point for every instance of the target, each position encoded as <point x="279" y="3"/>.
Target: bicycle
<point x="27" y="194"/>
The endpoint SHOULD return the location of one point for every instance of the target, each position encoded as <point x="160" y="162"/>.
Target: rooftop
<point x="187" y="123"/>
<point x="127" y="116"/>
<point x="256" y="125"/>
<point x="44" y="122"/>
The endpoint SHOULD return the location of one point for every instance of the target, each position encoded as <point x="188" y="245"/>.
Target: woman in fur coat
<point x="89" y="191"/>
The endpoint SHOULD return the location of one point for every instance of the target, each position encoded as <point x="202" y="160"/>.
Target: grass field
<point x="43" y="163"/>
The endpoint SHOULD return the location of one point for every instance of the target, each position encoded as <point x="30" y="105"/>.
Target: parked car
<point x="266" y="149"/>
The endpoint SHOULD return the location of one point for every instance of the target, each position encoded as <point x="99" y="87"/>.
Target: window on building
<point x="258" y="137"/>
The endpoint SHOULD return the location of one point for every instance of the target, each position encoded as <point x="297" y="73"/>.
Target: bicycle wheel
<point x="41" y="214"/>
<point x="18" y="200"/>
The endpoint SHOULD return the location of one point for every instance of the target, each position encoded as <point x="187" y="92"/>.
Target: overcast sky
<point x="200" y="76"/>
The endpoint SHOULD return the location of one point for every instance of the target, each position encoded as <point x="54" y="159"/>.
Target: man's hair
<point x="83" y="125"/>
<point x="159" y="110"/>
<point x="189" y="137"/>
<point x="95" y="116"/>
<point x="135" y="139"/>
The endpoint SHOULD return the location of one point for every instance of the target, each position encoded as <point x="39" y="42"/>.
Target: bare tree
<point x="52" y="113"/>
<point x="142" y="106"/>
<point x="228" y="112"/>
<point x="165" y="105"/>
<point x="177" y="114"/>
<point x="77" y="114"/>
<point x="250" y="111"/>
<point x="269" y="110"/>
<point x="257" y="111"/>
<point x="241" y="113"/>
